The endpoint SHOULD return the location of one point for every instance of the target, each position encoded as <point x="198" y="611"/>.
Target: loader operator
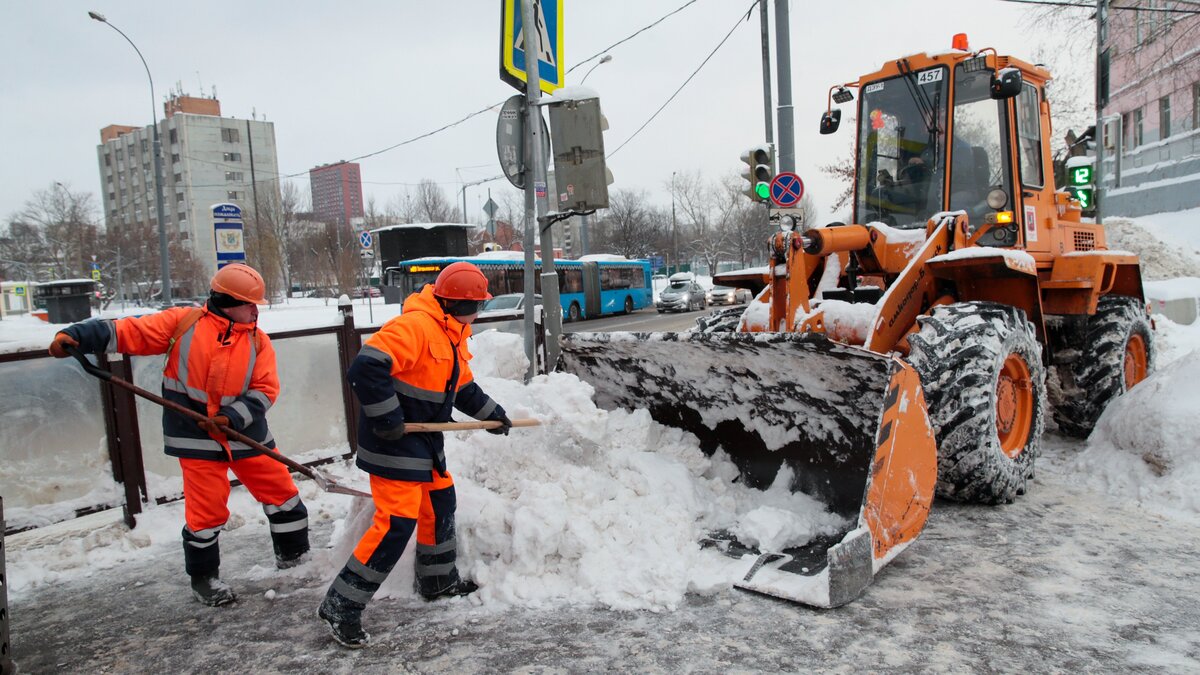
<point x="222" y="366"/>
<point x="414" y="369"/>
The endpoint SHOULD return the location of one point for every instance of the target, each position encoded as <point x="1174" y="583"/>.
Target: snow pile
<point x="1144" y="446"/>
<point x="1159" y="259"/>
<point x="591" y="508"/>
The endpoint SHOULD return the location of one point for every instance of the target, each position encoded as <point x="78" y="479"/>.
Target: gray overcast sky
<point x="341" y="79"/>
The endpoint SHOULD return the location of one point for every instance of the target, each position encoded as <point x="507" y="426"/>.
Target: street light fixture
<point x="603" y="59"/>
<point x="158" y="196"/>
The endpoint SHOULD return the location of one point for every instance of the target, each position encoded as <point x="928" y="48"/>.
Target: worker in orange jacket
<point x="222" y="366"/>
<point x="413" y="369"/>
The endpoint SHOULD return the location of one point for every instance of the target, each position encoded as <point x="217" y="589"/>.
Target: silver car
<point x="682" y="296"/>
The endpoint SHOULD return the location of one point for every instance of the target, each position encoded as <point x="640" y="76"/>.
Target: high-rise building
<point x="336" y="192"/>
<point x="207" y="160"/>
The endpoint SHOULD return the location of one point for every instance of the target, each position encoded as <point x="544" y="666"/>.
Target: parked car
<point x="505" y="313"/>
<point x="373" y="291"/>
<point x="683" y="294"/>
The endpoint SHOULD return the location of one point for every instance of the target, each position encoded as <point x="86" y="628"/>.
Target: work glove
<point x="211" y="424"/>
<point x="389" y="433"/>
<point x="58" y="348"/>
<point x="505" y="425"/>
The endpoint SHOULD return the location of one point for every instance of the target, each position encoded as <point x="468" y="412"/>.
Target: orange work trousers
<point x="402" y="499"/>
<point x="206" y="487"/>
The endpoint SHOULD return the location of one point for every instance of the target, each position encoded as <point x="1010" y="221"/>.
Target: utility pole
<point x="764" y="24"/>
<point x="783" y="69"/>
<point x="535" y="205"/>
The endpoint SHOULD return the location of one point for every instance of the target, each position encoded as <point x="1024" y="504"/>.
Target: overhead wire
<point x="740" y="21"/>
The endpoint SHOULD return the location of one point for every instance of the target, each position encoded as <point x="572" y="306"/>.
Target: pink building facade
<point x="1148" y="90"/>
<point x="336" y="192"/>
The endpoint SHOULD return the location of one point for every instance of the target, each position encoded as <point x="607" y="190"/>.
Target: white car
<point x="724" y="295"/>
<point x="505" y="313"/>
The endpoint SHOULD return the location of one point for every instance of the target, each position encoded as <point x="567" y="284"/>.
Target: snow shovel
<point x="323" y="481"/>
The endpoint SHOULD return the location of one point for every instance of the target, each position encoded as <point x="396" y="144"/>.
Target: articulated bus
<point x="592" y="286"/>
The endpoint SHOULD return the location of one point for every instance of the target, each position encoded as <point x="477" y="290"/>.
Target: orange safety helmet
<point x="241" y="282"/>
<point x="461" y="281"/>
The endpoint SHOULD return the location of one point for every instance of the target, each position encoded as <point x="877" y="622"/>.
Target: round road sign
<point x="786" y="190"/>
<point x="365" y="239"/>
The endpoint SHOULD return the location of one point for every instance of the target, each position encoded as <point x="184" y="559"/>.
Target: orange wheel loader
<point x="916" y="350"/>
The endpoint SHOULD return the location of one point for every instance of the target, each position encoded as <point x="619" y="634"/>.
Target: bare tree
<point x="428" y="204"/>
<point x="629" y="225"/>
<point x="66" y="223"/>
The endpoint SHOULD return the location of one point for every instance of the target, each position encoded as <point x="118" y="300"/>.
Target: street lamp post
<point x="583" y="220"/>
<point x="674" y="232"/>
<point x="164" y="254"/>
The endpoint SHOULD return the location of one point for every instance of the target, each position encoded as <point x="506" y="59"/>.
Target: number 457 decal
<point x="927" y="76"/>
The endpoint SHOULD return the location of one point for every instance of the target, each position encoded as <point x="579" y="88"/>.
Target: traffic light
<point x="760" y="169"/>
<point x="1080" y="171"/>
<point x="577" y="134"/>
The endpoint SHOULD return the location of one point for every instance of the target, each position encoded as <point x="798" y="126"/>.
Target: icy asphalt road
<point x="1064" y="580"/>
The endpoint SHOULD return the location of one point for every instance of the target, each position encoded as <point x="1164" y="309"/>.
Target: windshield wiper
<point x="927" y="110"/>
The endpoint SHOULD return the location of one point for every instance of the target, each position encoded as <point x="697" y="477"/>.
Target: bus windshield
<point x="901" y="145"/>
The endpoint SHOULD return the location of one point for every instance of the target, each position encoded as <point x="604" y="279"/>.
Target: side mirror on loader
<point x="1006" y="83"/>
<point x="830" y="120"/>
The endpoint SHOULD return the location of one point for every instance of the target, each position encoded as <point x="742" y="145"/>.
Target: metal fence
<point x="6" y="663"/>
<point x="122" y="433"/>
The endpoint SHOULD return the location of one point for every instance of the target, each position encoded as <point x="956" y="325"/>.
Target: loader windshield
<point x="901" y="142"/>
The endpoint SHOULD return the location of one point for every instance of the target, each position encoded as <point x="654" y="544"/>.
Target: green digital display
<point x="1081" y="175"/>
<point x="1084" y="195"/>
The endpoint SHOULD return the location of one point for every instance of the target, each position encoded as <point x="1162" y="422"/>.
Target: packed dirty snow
<point x="1144" y="445"/>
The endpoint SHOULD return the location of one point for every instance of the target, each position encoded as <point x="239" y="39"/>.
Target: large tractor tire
<point x="985" y="387"/>
<point x="1112" y="351"/>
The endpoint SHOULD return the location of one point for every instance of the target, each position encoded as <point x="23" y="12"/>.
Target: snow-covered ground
<point x="582" y="534"/>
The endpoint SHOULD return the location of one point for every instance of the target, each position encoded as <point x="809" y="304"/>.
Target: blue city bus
<point x="589" y="287"/>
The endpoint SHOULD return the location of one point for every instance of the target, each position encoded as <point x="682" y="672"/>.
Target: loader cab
<point x="955" y="131"/>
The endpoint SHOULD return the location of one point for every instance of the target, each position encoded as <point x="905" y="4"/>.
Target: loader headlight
<point x="997" y="199"/>
<point x="787" y="223"/>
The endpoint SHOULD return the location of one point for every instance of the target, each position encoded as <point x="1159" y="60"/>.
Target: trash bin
<point x="67" y="301"/>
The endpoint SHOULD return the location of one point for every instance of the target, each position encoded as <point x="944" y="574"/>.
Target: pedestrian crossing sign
<point x="549" y="19"/>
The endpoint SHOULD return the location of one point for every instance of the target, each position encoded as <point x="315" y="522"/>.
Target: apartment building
<point x="207" y="159"/>
<point x="1148" y="91"/>
<point x="336" y="192"/>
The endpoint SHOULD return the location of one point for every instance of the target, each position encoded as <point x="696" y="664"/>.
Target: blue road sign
<point x="228" y="235"/>
<point x="551" y="70"/>
<point x="786" y="190"/>
<point x="365" y="239"/>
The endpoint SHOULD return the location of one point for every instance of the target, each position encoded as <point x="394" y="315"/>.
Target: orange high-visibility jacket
<point x="216" y="367"/>
<point x="401" y="375"/>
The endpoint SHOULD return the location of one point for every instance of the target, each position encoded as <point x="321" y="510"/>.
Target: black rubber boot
<point x="344" y="619"/>
<point x="212" y="591"/>
<point x="459" y="587"/>
<point x="289" y="532"/>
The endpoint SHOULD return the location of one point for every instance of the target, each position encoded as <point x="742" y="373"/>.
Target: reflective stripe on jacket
<point x="401" y="375"/>
<point x="217" y="367"/>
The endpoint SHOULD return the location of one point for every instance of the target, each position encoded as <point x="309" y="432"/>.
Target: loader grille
<point x="1085" y="241"/>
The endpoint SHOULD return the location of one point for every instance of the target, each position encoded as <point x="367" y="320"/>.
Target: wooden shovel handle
<point x="412" y="427"/>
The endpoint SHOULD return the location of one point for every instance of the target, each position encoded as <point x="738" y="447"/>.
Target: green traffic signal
<point x="763" y="190"/>
<point x="1084" y="195"/>
<point x="1081" y="175"/>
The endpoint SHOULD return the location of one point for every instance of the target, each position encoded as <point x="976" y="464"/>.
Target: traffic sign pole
<point x="535" y="204"/>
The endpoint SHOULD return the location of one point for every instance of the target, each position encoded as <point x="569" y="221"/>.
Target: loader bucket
<point x="849" y="423"/>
